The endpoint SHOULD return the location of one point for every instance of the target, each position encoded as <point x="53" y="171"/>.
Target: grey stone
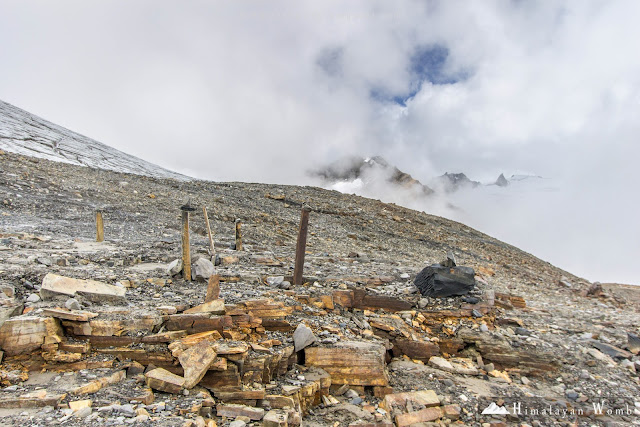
<point x="303" y="337"/>
<point x="484" y="328"/>
<point x="83" y="413"/>
<point x="611" y="350"/>
<point x="450" y="261"/>
<point x="628" y="364"/>
<point x="174" y="267"/>
<point x="285" y="285"/>
<point x="202" y="269"/>
<point x="633" y="343"/>
<point x="33" y="298"/>
<point x="237" y="423"/>
<point x="565" y="282"/>
<point x="522" y="331"/>
<point x="127" y="410"/>
<point x="447" y="382"/>
<point x="351" y="394"/>
<point x="45" y="261"/>
<point x="595" y="289"/>
<point x="439" y="281"/>
<point x="571" y="395"/>
<point x="72" y="304"/>
<point x="275" y="280"/>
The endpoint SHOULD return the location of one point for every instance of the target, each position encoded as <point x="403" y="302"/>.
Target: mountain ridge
<point x="22" y="132"/>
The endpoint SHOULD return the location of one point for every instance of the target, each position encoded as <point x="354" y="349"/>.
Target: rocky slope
<point x="25" y="133"/>
<point x="529" y="334"/>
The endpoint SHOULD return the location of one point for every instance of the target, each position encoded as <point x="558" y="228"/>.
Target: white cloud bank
<point x="262" y="91"/>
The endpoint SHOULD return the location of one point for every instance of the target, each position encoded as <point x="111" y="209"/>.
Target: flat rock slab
<point x="196" y="361"/>
<point x="275" y="418"/>
<point x="414" y="399"/>
<point x="441" y="282"/>
<point x="611" y="350"/>
<point x="163" y="380"/>
<point x="351" y="362"/>
<point x="421" y="416"/>
<point x="24" y="334"/>
<point x="76" y="315"/>
<point x="456" y="365"/>
<point x="100" y="383"/>
<point x="54" y="286"/>
<point x="214" y="307"/>
<point x="37" y="399"/>
<point x="234" y="411"/>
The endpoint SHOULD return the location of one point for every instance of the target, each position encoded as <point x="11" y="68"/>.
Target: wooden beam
<point x="301" y="246"/>
<point x="99" y="227"/>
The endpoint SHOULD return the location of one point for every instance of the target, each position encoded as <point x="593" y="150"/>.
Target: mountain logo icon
<point x="494" y="409"/>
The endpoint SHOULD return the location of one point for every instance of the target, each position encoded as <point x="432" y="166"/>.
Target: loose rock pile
<point x="111" y="334"/>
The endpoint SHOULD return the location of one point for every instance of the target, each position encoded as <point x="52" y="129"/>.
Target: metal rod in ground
<point x="301" y="246"/>
<point x="99" y="227"/>
<point x="238" y="235"/>
<point x="206" y="220"/>
<point x="186" y="254"/>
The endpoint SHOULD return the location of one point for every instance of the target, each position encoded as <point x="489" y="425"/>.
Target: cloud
<point x="264" y="91"/>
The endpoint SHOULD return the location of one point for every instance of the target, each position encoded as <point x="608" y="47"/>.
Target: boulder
<point x="633" y="343"/>
<point x="303" y="337"/>
<point x="54" y="286"/>
<point x="196" y="361"/>
<point x="441" y="282"/>
<point x="450" y="261"/>
<point x="174" y="267"/>
<point x="202" y="269"/>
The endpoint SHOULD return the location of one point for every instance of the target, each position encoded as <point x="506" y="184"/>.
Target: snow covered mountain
<point x="351" y="174"/>
<point x="24" y="133"/>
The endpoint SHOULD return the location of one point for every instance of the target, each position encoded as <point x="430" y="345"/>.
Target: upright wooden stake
<point x="186" y="254"/>
<point x="301" y="246"/>
<point x="206" y="220"/>
<point x="99" y="227"/>
<point x="238" y="236"/>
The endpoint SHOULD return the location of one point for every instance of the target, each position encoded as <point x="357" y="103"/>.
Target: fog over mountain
<point x="256" y="91"/>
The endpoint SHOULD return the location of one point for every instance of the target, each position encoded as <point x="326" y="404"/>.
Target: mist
<point x="254" y="91"/>
<point x="542" y="216"/>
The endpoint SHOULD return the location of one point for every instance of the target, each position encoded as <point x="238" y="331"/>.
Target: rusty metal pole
<point x="238" y="236"/>
<point x="186" y="254"/>
<point x="99" y="227"/>
<point x="301" y="246"/>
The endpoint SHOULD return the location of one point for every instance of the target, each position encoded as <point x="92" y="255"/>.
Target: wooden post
<point x="186" y="254"/>
<point x="238" y="236"/>
<point x="301" y="246"/>
<point x="99" y="227"/>
<point x="206" y="220"/>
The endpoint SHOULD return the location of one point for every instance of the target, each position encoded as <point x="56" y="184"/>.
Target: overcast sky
<point x="263" y="91"/>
